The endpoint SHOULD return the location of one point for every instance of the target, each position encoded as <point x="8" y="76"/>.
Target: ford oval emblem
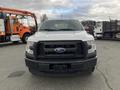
<point x="60" y="50"/>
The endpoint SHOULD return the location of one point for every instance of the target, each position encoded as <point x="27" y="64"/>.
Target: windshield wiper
<point x="48" y="30"/>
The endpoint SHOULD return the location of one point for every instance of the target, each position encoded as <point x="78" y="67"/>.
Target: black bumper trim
<point x="42" y="66"/>
<point x="62" y="62"/>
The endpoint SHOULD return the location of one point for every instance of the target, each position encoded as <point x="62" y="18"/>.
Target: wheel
<point x="15" y="42"/>
<point x="117" y="35"/>
<point x="25" y="37"/>
<point x="99" y="38"/>
<point x="33" y="72"/>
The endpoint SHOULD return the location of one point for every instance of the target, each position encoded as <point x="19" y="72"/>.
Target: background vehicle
<point x="98" y="30"/>
<point x="108" y="29"/>
<point x="89" y="26"/>
<point x="61" y="46"/>
<point x="16" y="25"/>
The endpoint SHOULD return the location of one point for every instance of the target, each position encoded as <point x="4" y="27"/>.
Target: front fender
<point x="23" y="31"/>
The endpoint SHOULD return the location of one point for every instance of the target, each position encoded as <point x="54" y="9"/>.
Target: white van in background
<point x="98" y="30"/>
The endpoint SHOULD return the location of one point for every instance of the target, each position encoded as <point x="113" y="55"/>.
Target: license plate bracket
<point x="60" y="67"/>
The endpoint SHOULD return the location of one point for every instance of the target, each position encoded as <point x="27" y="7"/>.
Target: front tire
<point x="15" y="42"/>
<point x="25" y="37"/>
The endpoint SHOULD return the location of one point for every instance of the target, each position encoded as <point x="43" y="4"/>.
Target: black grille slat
<point x="52" y="49"/>
<point x="55" y="46"/>
<point x="54" y="53"/>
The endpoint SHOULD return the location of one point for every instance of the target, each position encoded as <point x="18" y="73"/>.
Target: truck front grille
<point x="73" y="49"/>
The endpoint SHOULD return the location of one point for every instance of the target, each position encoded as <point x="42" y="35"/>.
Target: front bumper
<point x="61" y="66"/>
<point x="99" y="35"/>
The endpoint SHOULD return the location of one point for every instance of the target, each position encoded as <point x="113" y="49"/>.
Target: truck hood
<point x="60" y="35"/>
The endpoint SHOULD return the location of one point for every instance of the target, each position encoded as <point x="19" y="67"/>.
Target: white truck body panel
<point x="60" y="35"/>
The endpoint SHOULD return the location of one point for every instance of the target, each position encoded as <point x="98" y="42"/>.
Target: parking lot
<point x="14" y="75"/>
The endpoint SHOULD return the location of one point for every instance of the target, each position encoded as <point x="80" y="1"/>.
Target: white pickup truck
<point x="61" y="46"/>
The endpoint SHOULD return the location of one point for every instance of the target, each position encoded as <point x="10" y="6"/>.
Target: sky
<point x="78" y="9"/>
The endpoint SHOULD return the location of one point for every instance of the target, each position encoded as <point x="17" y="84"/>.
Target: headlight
<point x="28" y="47"/>
<point x="92" y="46"/>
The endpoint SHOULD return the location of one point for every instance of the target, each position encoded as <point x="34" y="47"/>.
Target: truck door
<point x="2" y="27"/>
<point x="14" y="36"/>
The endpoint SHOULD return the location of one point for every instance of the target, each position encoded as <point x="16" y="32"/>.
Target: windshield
<point x="61" y="25"/>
